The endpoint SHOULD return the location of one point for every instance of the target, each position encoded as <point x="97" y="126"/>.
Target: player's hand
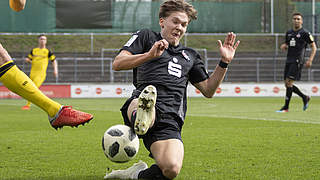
<point x="55" y="73"/>
<point x="308" y="64"/>
<point x="228" y="48"/>
<point x="28" y="60"/>
<point x="158" y="48"/>
<point x="284" y="47"/>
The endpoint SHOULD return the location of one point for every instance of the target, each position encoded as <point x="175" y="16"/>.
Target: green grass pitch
<point x="224" y="138"/>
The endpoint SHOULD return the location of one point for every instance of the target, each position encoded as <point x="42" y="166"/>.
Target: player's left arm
<point x="55" y="68"/>
<point x="227" y="51"/>
<point x="312" y="54"/>
<point x="17" y="5"/>
<point x="52" y="58"/>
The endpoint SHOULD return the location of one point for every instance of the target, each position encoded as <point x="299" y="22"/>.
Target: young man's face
<point x="42" y="40"/>
<point x="173" y="27"/>
<point x="297" y="21"/>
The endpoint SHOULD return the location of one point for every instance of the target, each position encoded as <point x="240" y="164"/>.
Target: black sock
<point x="297" y="91"/>
<point x="288" y="97"/>
<point x="152" y="173"/>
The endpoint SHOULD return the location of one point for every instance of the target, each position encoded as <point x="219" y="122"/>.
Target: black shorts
<point x="293" y="71"/>
<point x="165" y="126"/>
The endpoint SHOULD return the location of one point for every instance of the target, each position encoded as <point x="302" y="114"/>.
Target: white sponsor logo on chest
<point x="174" y="68"/>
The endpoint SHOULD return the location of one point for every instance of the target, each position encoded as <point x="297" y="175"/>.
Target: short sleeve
<point x="30" y="55"/>
<point x="137" y="43"/>
<point x="309" y="38"/>
<point x="198" y="71"/>
<point x="287" y="38"/>
<point x="51" y="56"/>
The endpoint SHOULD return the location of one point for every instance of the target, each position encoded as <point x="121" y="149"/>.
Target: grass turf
<point x="224" y="138"/>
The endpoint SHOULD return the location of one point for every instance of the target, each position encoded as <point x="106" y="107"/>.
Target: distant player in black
<point x="296" y="43"/>
<point x="162" y="69"/>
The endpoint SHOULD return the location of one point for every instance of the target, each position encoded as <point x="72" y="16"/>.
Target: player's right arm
<point x="17" y="5"/>
<point x="28" y="59"/>
<point x="126" y="60"/>
<point x="284" y="46"/>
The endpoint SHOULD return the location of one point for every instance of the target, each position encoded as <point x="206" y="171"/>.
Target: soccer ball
<point x="120" y="143"/>
<point x="15" y="6"/>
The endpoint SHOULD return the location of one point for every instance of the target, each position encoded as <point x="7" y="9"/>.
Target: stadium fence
<point x="87" y="57"/>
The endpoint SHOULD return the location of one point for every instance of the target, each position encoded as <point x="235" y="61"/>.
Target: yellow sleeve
<point x="51" y="56"/>
<point x="30" y="55"/>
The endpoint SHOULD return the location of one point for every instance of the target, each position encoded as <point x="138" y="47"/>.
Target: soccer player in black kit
<point x="162" y="69"/>
<point x="296" y="43"/>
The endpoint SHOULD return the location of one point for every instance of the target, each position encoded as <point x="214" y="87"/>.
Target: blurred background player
<point x="39" y="58"/>
<point x="162" y="68"/>
<point x="18" y="82"/>
<point x="296" y="43"/>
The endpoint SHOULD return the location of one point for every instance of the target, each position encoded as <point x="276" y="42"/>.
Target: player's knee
<point x="3" y="55"/>
<point x="288" y="84"/>
<point x="171" y="170"/>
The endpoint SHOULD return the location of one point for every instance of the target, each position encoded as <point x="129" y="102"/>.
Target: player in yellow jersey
<point x="39" y="58"/>
<point x="18" y="82"/>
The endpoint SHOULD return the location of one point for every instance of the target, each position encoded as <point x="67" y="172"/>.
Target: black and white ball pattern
<point x="120" y="143"/>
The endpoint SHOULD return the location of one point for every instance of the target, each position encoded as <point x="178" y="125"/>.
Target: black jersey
<point x="169" y="73"/>
<point x="297" y="42"/>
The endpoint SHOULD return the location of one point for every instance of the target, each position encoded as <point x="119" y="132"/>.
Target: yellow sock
<point x="18" y="82"/>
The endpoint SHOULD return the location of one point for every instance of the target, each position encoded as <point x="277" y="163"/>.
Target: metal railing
<point x="90" y="41"/>
<point x="94" y="64"/>
<point x="99" y="69"/>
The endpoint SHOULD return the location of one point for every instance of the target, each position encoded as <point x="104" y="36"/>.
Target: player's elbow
<point x="208" y="94"/>
<point x="119" y="64"/>
<point x="205" y="90"/>
<point x="315" y="48"/>
<point x="116" y="66"/>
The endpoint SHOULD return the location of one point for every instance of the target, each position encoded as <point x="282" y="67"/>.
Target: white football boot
<point x="130" y="173"/>
<point x="146" y="110"/>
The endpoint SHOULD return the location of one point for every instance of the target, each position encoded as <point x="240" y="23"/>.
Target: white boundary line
<point x="15" y="104"/>
<point x="251" y="118"/>
<point x="201" y="115"/>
